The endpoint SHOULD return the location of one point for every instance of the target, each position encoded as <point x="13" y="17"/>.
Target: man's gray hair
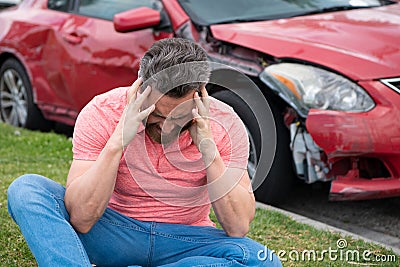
<point x="174" y="67"/>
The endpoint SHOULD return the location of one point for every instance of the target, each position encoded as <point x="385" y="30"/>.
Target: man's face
<point x="170" y="117"/>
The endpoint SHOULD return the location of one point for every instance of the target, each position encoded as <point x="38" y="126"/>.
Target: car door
<point x="46" y="67"/>
<point x="94" y="57"/>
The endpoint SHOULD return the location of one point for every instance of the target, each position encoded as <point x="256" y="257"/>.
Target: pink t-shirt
<point x="155" y="182"/>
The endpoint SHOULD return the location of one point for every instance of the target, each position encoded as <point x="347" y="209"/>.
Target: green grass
<point x="23" y="152"/>
<point x="50" y="155"/>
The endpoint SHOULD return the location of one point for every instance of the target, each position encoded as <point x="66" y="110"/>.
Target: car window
<point x="59" y="5"/>
<point x="106" y="9"/>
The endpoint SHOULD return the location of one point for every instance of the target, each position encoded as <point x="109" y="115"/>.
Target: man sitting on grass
<point x="149" y="162"/>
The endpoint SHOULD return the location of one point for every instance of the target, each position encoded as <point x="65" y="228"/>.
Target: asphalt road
<point x="378" y="219"/>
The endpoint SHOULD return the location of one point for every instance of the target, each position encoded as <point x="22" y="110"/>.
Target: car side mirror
<point x="136" y="19"/>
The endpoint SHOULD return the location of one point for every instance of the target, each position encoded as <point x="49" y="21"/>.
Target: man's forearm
<point x="87" y="196"/>
<point x="90" y="186"/>
<point x="232" y="199"/>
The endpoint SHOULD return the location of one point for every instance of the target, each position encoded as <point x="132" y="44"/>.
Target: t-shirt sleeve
<point x="90" y="132"/>
<point x="234" y="146"/>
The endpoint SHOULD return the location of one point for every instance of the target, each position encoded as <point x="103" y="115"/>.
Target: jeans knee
<point x="28" y="189"/>
<point x="260" y="255"/>
<point x="20" y="190"/>
<point x="24" y="184"/>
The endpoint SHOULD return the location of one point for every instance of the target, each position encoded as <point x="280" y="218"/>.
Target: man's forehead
<point x="156" y="94"/>
<point x="170" y="104"/>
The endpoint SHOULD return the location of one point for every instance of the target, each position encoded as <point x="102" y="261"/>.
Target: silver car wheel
<point x="13" y="98"/>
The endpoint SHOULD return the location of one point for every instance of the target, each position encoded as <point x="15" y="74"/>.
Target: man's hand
<point x="133" y="116"/>
<point x="90" y="184"/>
<point x="228" y="191"/>
<point x="200" y="131"/>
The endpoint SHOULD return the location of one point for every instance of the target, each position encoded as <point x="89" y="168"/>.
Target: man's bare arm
<point x="89" y="187"/>
<point x="229" y="188"/>
<point x="230" y="192"/>
<point x="90" y="184"/>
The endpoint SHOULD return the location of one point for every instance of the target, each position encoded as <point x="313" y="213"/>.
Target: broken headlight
<point x="306" y="87"/>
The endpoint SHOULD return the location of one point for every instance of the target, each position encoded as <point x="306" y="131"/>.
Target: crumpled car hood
<point x="362" y="44"/>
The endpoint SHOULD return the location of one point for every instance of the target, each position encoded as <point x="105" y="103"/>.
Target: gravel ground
<point x="377" y="219"/>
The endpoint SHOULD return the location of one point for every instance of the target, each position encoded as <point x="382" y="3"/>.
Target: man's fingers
<point x="205" y="98"/>
<point x="137" y="83"/>
<point x="134" y="89"/>
<point x="195" y="114"/>
<point x="139" y="101"/>
<point x="145" y="113"/>
<point x="198" y="118"/>
<point x="200" y="105"/>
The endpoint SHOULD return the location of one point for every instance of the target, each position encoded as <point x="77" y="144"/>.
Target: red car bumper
<point x="363" y="149"/>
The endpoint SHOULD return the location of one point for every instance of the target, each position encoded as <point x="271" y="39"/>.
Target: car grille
<point x="393" y="83"/>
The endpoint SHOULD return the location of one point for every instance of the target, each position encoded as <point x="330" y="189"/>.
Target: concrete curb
<point x="325" y="227"/>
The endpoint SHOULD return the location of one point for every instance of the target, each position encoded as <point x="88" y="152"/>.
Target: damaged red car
<point x="328" y="69"/>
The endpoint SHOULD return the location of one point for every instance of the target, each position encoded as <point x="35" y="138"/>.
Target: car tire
<point x="276" y="187"/>
<point x="16" y="98"/>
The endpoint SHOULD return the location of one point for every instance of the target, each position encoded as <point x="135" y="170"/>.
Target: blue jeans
<point x="37" y="205"/>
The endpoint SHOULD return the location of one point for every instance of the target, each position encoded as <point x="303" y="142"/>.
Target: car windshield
<point x="206" y="12"/>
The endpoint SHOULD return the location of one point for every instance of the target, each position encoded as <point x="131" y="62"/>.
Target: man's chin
<point x="155" y="137"/>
